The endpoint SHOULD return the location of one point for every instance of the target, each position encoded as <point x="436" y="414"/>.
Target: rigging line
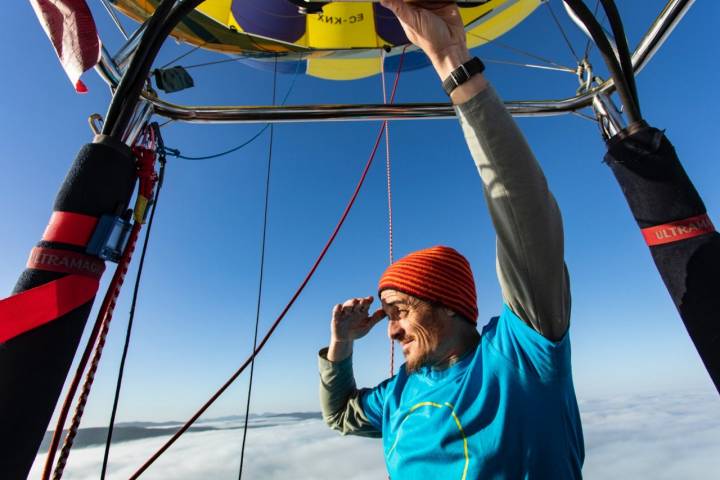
<point x="389" y="194"/>
<point x="589" y="43"/>
<point x="531" y="65"/>
<point x="516" y="50"/>
<point x="584" y="116"/>
<point x="115" y="18"/>
<point x="121" y="370"/>
<point x="180" y="57"/>
<point x="387" y="164"/>
<point x="235" y="59"/>
<point x="177" y="154"/>
<point x="290" y="303"/>
<point x="215" y="62"/>
<point x="260" y="281"/>
<point x="562" y="31"/>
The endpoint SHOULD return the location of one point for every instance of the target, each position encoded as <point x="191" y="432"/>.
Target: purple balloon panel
<point x="278" y="19"/>
<point x="388" y="27"/>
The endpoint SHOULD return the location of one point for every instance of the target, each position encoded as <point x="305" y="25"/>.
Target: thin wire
<point x="562" y="31"/>
<point x="517" y="50"/>
<point x="589" y="43"/>
<point x="584" y="116"/>
<point x="180" y="57"/>
<point x="260" y="281"/>
<point x="128" y="333"/>
<point x="235" y="59"/>
<point x="176" y="153"/>
<point x="531" y="65"/>
<point x="115" y="19"/>
<point x="216" y="62"/>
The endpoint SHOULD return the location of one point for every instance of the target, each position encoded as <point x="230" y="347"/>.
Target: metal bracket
<point x="96" y="122"/>
<point x="110" y="238"/>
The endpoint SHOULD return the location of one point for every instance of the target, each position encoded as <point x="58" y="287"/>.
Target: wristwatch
<point x="462" y="74"/>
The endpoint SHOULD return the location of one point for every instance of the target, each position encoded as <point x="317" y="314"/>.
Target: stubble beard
<point x="426" y="341"/>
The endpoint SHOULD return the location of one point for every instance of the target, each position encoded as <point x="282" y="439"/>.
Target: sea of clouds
<point x="636" y="437"/>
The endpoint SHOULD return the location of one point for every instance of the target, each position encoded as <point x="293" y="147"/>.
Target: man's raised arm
<point x="527" y="220"/>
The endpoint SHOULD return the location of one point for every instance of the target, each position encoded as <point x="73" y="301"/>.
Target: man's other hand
<point x="351" y="320"/>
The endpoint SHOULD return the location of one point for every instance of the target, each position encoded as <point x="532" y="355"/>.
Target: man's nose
<point x="394" y="330"/>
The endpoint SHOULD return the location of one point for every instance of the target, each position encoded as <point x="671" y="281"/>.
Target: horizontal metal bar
<point x="657" y="34"/>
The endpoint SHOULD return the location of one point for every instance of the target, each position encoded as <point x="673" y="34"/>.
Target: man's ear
<point x="449" y="313"/>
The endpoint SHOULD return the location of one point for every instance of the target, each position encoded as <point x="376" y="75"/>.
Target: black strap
<point x="462" y="74"/>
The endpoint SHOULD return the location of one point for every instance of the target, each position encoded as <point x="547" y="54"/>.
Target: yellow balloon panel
<point x="349" y="34"/>
<point x="349" y="25"/>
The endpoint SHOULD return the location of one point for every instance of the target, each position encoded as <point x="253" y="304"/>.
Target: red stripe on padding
<point x="64" y="261"/>
<point x="70" y="228"/>
<point x="40" y="305"/>
<point x="679" y="230"/>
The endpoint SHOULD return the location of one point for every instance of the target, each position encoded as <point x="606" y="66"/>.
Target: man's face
<point x="416" y="325"/>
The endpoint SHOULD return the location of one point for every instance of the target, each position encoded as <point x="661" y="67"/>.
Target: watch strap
<point x="462" y="74"/>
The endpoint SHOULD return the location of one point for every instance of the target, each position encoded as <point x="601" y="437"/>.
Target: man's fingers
<point x="378" y="315"/>
<point x="401" y="10"/>
<point x="348" y="304"/>
<point x="364" y="304"/>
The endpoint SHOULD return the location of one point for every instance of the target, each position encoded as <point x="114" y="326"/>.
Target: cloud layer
<point x="652" y="436"/>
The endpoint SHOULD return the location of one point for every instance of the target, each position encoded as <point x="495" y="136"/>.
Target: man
<point x="500" y="404"/>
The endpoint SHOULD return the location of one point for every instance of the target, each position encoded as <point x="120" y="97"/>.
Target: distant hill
<point x="127" y="431"/>
<point x="88" y="437"/>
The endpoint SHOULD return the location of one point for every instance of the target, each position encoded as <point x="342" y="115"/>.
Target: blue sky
<point x="194" y="320"/>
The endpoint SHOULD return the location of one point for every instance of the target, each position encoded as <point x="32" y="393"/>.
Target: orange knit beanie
<point x="439" y="274"/>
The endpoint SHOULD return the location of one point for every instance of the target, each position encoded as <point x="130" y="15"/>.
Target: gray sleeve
<point x="528" y="225"/>
<point x="340" y="399"/>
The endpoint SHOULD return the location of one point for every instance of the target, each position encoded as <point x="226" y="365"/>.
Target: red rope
<point x="285" y="310"/>
<point x="98" y="334"/>
<point x="105" y="317"/>
<point x="389" y="183"/>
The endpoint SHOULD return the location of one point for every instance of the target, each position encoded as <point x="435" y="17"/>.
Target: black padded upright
<point x="34" y="365"/>
<point x="658" y="192"/>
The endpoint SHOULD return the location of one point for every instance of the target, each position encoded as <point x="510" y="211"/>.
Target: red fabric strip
<point x="40" y="305"/>
<point x="679" y="230"/>
<point x="71" y="29"/>
<point x="65" y="262"/>
<point x="70" y="228"/>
